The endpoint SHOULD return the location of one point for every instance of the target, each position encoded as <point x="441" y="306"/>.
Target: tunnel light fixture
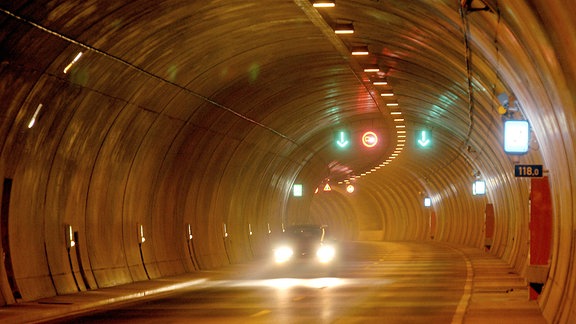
<point x="225" y="228"/>
<point x="35" y="116"/>
<point x="387" y="94"/>
<point x="69" y="234"/>
<point x="373" y="68"/>
<point x="427" y="202"/>
<point x="67" y="68"/>
<point x="479" y="187"/>
<point x="324" y="3"/>
<point x="249" y="229"/>
<point x="141" y="237"/>
<point x="380" y="82"/>
<point x="342" y="29"/>
<point x="189" y="236"/>
<point x="297" y="190"/>
<point x="398" y="119"/>
<point x="516" y="136"/>
<point x="396" y="113"/>
<point x="360" y="50"/>
<point x="269" y="229"/>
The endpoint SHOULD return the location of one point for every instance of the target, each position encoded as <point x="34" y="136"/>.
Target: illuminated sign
<point x="297" y="190"/>
<point x="427" y="202"/>
<point x="342" y="139"/>
<point x="479" y="187"/>
<point x="327" y="187"/>
<point x="528" y="170"/>
<point x="423" y="138"/>
<point x="369" y="139"/>
<point x="516" y="136"/>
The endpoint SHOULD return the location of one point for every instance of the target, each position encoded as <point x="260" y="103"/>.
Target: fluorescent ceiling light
<point x="324" y="3"/>
<point x="344" y="29"/>
<point x="360" y="50"/>
<point x="372" y="68"/>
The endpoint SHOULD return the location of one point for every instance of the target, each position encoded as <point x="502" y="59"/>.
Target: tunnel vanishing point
<point x="142" y="139"/>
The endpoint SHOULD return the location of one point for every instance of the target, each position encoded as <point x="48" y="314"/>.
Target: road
<point x="375" y="283"/>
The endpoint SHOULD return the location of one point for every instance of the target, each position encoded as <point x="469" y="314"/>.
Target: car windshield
<point x="305" y="232"/>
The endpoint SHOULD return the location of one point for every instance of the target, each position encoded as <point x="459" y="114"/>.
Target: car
<point x="305" y="244"/>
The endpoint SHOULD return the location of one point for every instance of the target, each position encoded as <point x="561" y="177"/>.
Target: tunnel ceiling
<point x="279" y="68"/>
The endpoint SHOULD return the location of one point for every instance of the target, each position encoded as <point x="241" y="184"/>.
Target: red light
<point x="369" y="139"/>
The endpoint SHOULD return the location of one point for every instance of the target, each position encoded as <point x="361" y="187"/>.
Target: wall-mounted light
<point x="427" y="202"/>
<point x="360" y="50"/>
<point x="73" y="62"/>
<point x="297" y="190"/>
<point x="250" y="229"/>
<point x="344" y="29"/>
<point x="350" y="188"/>
<point x="225" y="231"/>
<point x="269" y="230"/>
<point x="35" y="116"/>
<point x="141" y="237"/>
<point x="69" y="234"/>
<point x="324" y="3"/>
<point x="516" y="136"/>
<point x="479" y="187"/>
<point x="189" y="232"/>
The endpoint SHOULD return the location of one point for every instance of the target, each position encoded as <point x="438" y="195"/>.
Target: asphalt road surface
<point x="374" y="282"/>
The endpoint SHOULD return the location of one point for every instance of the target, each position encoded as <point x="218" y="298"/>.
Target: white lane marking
<point x="465" y="299"/>
<point x="261" y="313"/>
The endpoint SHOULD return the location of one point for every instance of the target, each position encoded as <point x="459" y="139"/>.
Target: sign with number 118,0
<point x="528" y="170"/>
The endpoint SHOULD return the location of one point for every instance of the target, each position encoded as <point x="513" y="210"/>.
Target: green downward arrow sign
<point x="423" y="139"/>
<point x="342" y="141"/>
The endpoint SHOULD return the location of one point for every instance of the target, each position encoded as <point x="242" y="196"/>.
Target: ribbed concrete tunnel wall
<point x="204" y="115"/>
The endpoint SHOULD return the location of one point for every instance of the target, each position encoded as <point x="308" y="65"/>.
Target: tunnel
<point x="145" y="139"/>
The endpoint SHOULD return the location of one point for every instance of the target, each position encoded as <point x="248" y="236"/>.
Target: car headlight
<point x="283" y="254"/>
<point x="326" y="253"/>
